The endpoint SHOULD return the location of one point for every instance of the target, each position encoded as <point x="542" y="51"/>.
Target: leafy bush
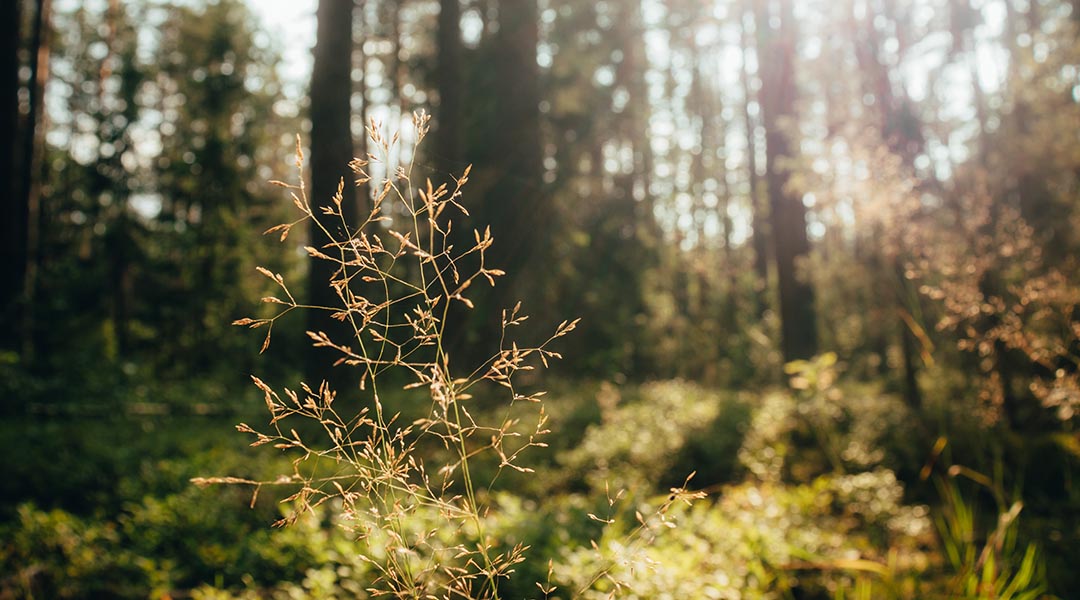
<point x="824" y="428"/>
<point x="757" y="541"/>
<point x="664" y="431"/>
<point x="158" y="546"/>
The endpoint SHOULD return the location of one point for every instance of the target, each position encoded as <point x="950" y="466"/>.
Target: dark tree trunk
<point x="510" y="170"/>
<point x="396" y="66"/>
<point x="787" y="214"/>
<point x="13" y="232"/>
<point x="632" y="74"/>
<point x="360" y="92"/>
<point x="32" y="165"/>
<point x="331" y="151"/>
<point x="517" y="140"/>
<point x="449" y="78"/>
<point x="759" y="218"/>
<point x="515" y="207"/>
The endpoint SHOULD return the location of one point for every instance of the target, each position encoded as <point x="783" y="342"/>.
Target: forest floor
<point x="811" y="497"/>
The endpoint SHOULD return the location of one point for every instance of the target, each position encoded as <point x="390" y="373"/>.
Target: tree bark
<point x="759" y="219"/>
<point x="511" y="169"/>
<point x="519" y="87"/>
<point x="449" y="79"/>
<point x="644" y="256"/>
<point x="13" y="232"/>
<point x="776" y="52"/>
<point x="360" y="92"/>
<point x="331" y="151"/>
<point x="33" y="159"/>
<point x="515" y="206"/>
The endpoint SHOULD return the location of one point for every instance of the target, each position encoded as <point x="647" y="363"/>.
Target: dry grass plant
<point x="398" y="274"/>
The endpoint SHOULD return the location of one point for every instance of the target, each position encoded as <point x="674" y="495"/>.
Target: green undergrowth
<point x="808" y="497"/>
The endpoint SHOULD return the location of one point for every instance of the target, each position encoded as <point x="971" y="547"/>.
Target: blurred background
<point x="826" y="240"/>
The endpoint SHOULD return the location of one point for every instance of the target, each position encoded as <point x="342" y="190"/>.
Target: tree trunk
<point x="396" y="67"/>
<point x="518" y="140"/>
<point x="759" y="220"/>
<point x="331" y="151"/>
<point x="632" y="74"/>
<point x="776" y="52"/>
<point x="511" y="171"/>
<point x="13" y="232"/>
<point x="515" y="206"/>
<point x="449" y="79"/>
<point x="360" y="91"/>
<point x="33" y="160"/>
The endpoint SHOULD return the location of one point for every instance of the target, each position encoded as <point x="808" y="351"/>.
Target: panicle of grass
<point x="398" y="273"/>
<point x="646" y="529"/>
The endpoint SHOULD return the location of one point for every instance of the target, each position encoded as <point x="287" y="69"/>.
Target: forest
<point x="501" y="299"/>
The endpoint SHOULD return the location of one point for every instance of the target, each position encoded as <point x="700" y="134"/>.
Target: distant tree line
<point x="716" y="188"/>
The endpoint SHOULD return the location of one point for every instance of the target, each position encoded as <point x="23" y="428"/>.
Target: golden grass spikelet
<point x="397" y="302"/>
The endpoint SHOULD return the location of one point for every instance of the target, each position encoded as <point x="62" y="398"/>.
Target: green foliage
<point x="995" y="566"/>
<point x="759" y="541"/>
<point x="956" y="237"/>
<point x="108" y="512"/>
<point x="144" y="247"/>
<point x="163" y="544"/>
<point x="661" y="432"/>
<point x="822" y="427"/>
<point x="114" y="515"/>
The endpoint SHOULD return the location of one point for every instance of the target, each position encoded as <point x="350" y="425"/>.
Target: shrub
<point x="652" y="439"/>
<point x="759" y="540"/>
<point x="822" y="428"/>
